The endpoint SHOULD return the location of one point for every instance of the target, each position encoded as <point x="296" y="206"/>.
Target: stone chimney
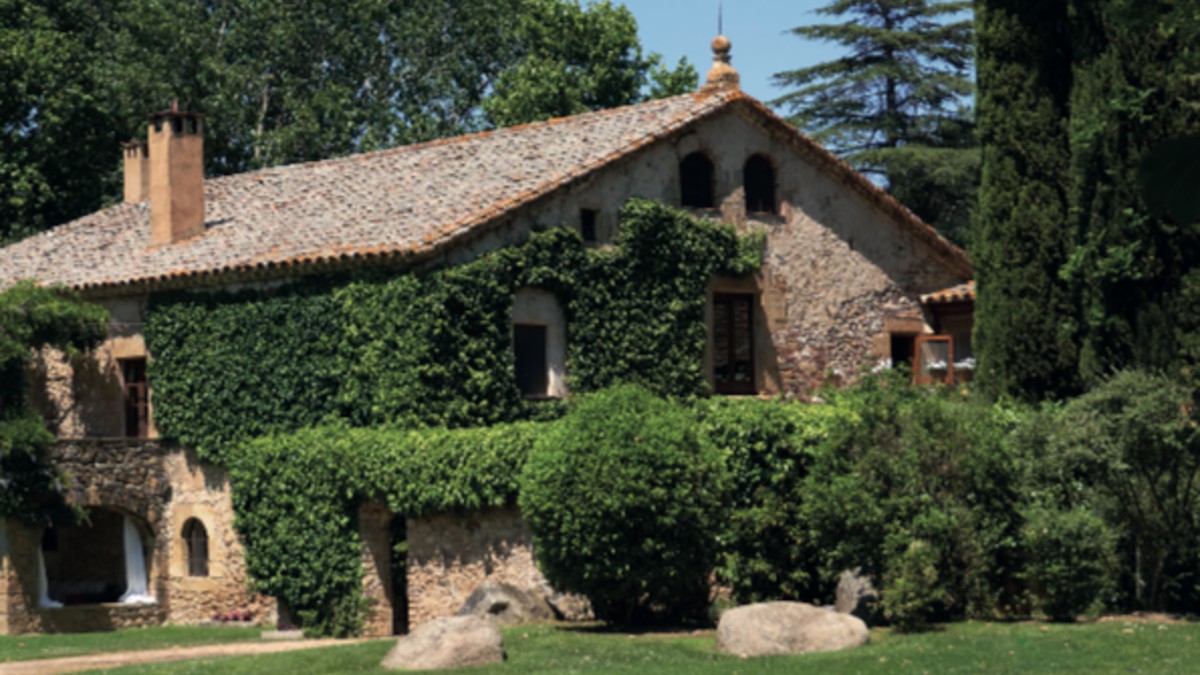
<point x="722" y="76"/>
<point x="176" y="161"/>
<point x="137" y="172"/>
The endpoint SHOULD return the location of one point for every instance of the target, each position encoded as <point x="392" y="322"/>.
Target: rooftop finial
<point x="722" y="76"/>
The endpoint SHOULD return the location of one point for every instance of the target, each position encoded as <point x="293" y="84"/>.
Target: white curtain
<point x="44" y="600"/>
<point x="137" y="591"/>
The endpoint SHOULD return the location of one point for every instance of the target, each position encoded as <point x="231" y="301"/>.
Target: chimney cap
<point x="174" y="111"/>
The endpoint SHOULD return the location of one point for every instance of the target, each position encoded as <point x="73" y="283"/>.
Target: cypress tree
<point x="1131" y="267"/>
<point x="1024" y="314"/>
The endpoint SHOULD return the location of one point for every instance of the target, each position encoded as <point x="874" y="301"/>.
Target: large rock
<point x="787" y="628"/>
<point x="450" y="642"/>
<point x="507" y="604"/>
<point x="856" y="595"/>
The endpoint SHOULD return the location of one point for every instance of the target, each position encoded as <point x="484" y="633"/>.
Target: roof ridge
<point x="462" y="138"/>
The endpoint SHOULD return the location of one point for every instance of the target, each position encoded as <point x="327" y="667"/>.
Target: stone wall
<point x="161" y="486"/>
<point x="837" y="272"/>
<point x="382" y="620"/>
<point x="450" y="554"/>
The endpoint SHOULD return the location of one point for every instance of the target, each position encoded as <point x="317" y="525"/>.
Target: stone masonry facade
<point x="160" y="486"/>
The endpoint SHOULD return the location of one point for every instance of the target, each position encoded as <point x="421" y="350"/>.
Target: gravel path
<point x="75" y="664"/>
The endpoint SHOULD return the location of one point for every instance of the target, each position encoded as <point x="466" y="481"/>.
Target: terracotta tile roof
<point x="961" y="293"/>
<point x="401" y="203"/>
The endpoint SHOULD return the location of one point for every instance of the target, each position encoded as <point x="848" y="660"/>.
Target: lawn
<point x="963" y="648"/>
<point x="27" y="647"/>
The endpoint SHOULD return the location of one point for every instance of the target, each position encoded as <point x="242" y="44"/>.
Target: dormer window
<point x="758" y="177"/>
<point x="696" y="181"/>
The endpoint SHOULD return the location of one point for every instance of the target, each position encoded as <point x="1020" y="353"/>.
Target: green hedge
<point x="296" y="498"/>
<point x="625" y="497"/>
<point x="435" y="348"/>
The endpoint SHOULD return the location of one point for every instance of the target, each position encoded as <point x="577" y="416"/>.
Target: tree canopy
<point x="895" y="105"/>
<point x="285" y="81"/>
<point x="32" y="318"/>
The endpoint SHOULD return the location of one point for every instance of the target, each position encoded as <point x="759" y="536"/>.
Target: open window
<point x="539" y="344"/>
<point x="758" y="178"/>
<point x="195" y="539"/>
<point x="733" y="343"/>
<point x="696" y="181"/>
<point x="934" y="359"/>
<point x="137" y="397"/>
<point x="587" y="225"/>
<point x="529" y="345"/>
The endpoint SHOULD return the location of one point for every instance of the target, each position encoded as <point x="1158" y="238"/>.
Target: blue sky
<point x="762" y="44"/>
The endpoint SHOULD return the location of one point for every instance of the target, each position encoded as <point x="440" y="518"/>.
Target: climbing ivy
<point x="434" y="348"/>
<point x="296" y="498"/>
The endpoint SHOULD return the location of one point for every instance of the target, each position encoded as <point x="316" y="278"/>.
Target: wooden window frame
<point x="135" y="390"/>
<point x="918" y="368"/>
<point x="730" y="386"/>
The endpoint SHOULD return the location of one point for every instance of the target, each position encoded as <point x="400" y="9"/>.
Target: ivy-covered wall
<point x="434" y="349"/>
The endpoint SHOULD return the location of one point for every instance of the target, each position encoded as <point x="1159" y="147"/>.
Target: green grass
<point x="962" y="648"/>
<point x="27" y="647"/>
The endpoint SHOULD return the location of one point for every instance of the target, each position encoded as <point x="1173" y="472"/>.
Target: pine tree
<point x="1024" y="313"/>
<point x="894" y="105"/>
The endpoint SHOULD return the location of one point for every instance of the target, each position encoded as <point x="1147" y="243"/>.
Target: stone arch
<point x="758" y="180"/>
<point x="696" y="181"/>
<point x="86" y="563"/>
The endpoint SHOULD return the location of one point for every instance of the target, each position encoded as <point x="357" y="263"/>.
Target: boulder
<point x="507" y="604"/>
<point x="787" y="628"/>
<point x="856" y="595"/>
<point x="449" y="642"/>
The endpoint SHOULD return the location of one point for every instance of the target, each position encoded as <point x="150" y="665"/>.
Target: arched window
<point x="696" y="181"/>
<point x="195" y="537"/>
<point x="758" y="176"/>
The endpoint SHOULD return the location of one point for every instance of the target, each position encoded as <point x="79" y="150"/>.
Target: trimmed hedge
<point x="625" y="498"/>
<point x="296" y="499"/>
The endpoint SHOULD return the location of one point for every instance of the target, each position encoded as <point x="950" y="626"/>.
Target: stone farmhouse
<point x="850" y="279"/>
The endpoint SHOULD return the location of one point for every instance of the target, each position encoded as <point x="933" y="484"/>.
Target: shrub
<point x="625" y="499"/>
<point x="768" y="550"/>
<point x="1070" y="560"/>
<point x="919" y="464"/>
<point x="1130" y="450"/>
<point x="912" y="593"/>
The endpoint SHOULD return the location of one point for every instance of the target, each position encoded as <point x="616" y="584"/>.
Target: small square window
<point x="587" y="225"/>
